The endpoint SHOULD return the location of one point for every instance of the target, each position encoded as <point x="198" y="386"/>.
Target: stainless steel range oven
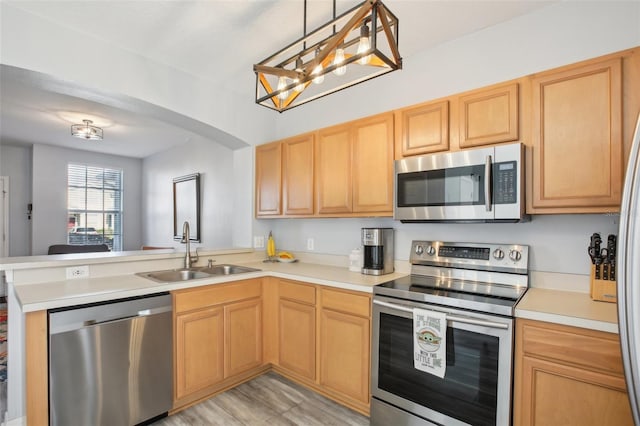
<point x="475" y="287"/>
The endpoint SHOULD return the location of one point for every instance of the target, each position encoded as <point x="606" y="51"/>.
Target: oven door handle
<point x="455" y="318"/>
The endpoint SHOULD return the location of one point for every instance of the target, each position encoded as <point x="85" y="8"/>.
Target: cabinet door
<point x="199" y="350"/>
<point x="297" y="177"/>
<point x="577" y="146"/>
<point x="373" y="164"/>
<point x="268" y="179"/>
<point x="333" y="170"/>
<point x="243" y="336"/>
<point x="489" y="116"/>
<point x="422" y="129"/>
<point x="297" y="338"/>
<point x="344" y="354"/>
<point x="559" y="394"/>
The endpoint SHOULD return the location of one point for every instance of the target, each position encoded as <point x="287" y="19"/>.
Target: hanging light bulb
<point x="299" y="87"/>
<point x="282" y="83"/>
<point x="364" y="45"/>
<point x="339" y="59"/>
<point x="317" y="71"/>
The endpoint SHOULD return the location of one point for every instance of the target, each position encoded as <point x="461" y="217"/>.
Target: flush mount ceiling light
<point x="86" y="130"/>
<point x="358" y="45"/>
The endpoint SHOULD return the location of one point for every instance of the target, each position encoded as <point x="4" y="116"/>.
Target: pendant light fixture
<point x="354" y="47"/>
<point x="86" y="130"/>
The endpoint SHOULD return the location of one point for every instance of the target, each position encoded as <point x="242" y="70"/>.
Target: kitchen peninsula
<point x="39" y="283"/>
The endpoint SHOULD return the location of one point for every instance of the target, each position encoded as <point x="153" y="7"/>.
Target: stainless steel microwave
<point x="473" y="185"/>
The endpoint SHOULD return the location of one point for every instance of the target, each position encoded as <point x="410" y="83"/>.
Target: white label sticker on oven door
<point x="430" y="341"/>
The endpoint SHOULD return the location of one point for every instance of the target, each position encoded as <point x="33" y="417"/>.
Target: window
<point x="94" y="204"/>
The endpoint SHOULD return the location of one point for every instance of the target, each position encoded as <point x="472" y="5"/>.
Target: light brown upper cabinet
<point x="354" y="167"/>
<point x="269" y="179"/>
<point x="577" y="139"/>
<point x="488" y="116"/>
<point x="297" y="175"/>
<point x="284" y="177"/>
<point x="422" y="129"/>
<point x="333" y="170"/>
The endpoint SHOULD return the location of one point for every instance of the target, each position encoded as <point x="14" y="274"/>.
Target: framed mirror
<point x="186" y="206"/>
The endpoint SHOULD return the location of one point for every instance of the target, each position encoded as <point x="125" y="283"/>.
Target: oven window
<point x="469" y="388"/>
<point x="458" y="186"/>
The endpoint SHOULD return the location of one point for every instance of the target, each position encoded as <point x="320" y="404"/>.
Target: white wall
<point x="215" y="165"/>
<point x="15" y="162"/>
<point x="49" y="220"/>
<point x="558" y="243"/>
<point x="559" y="34"/>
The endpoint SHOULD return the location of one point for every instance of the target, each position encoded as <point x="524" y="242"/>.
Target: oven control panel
<point x="499" y="257"/>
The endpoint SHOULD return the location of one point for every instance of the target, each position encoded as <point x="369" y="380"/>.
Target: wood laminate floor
<point x="270" y="400"/>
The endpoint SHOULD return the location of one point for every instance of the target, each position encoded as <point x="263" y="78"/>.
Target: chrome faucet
<point x="188" y="259"/>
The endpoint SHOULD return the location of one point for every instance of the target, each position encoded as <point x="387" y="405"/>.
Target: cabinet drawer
<point x="299" y="292"/>
<point x="351" y="303"/>
<point x="591" y="349"/>
<point x="201" y="297"/>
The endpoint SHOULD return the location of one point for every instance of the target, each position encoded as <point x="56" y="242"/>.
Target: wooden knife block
<point x="602" y="290"/>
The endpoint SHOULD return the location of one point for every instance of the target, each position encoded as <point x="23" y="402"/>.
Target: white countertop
<point x="547" y="300"/>
<point x="568" y="308"/>
<point x="56" y="294"/>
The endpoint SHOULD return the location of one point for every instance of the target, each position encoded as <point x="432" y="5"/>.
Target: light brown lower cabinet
<point x="324" y="340"/>
<point x="218" y="338"/>
<point x="242" y="336"/>
<point x="297" y="338"/>
<point x="344" y="354"/>
<point x="568" y="376"/>
<point x="199" y="350"/>
<point x="345" y="346"/>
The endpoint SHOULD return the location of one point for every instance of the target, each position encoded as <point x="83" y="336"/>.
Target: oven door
<point x="476" y="388"/>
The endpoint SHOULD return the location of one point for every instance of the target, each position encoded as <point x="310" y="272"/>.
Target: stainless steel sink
<point x="227" y="270"/>
<point x="186" y="274"/>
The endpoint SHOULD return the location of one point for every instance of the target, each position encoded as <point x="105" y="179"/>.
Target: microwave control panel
<point x="505" y="183"/>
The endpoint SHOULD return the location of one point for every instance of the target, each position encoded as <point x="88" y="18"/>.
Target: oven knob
<point x="431" y="251"/>
<point x="498" y="254"/>
<point x="419" y="250"/>
<point x="515" y="255"/>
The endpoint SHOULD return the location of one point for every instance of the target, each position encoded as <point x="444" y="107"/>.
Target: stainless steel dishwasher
<point x="111" y="363"/>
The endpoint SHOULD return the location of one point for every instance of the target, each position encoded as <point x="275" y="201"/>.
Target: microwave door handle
<point x="454" y="318"/>
<point x="487" y="183"/>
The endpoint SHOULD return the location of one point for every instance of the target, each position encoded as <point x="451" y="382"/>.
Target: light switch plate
<point x="258" y="241"/>
<point x="310" y="244"/>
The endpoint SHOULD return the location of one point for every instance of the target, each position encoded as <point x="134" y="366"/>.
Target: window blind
<point x="94" y="203"/>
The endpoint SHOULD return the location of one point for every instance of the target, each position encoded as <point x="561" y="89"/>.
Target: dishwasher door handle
<point x="141" y="313"/>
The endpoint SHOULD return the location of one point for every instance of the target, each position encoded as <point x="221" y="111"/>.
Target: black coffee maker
<point x="378" y="251"/>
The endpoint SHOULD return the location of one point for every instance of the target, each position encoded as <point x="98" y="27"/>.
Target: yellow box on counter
<point x="603" y="290"/>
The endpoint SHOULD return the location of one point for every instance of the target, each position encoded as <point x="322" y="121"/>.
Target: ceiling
<point x="216" y="40"/>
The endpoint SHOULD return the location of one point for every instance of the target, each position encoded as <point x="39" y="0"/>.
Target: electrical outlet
<point x="258" y="241"/>
<point x="310" y="244"/>
<point x="77" y="272"/>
